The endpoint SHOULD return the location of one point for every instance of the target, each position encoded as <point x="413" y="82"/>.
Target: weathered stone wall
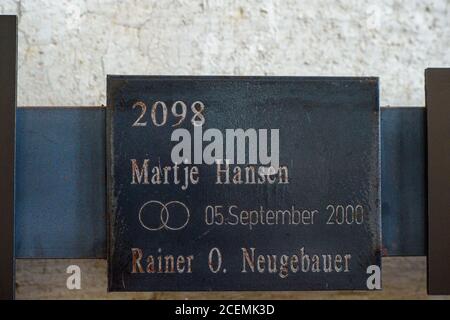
<point x="67" y="47"/>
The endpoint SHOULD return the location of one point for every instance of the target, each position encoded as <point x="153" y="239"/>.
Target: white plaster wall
<point x="67" y="47"/>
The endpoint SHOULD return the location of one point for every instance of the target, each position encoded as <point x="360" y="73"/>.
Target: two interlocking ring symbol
<point x="164" y="215"/>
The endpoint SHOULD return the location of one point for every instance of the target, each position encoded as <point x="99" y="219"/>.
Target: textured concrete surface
<point x="67" y="47"/>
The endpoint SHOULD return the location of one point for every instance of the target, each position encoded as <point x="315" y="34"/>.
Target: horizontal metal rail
<point x="61" y="185"/>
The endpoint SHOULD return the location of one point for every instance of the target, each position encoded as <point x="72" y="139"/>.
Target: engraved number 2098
<point x="159" y="113"/>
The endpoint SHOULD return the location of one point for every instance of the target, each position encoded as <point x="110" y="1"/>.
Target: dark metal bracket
<point x="437" y="87"/>
<point x="8" y="79"/>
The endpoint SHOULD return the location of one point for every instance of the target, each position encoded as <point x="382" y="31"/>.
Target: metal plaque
<point x="243" y="183"/>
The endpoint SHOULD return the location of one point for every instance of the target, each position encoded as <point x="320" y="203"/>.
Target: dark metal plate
<point x="319" y="231"/>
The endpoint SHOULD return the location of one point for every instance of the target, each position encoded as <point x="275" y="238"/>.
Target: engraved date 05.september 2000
<point x="233" y="215"/>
